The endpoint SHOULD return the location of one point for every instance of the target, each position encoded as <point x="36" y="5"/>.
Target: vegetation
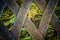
<point x="35" y="15"/>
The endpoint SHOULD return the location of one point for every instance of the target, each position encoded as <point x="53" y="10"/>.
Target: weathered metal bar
<point x="12" y="6"/>
<point x="21" y="18"/>
<point x="47" y="16"/>
<point x="42" y="4"/>
<point x="32" y="30"/>
<point x="2" y="6"/>
<point x="29" y="25"/>
<point x="56" y="23"/>
<point x="5" y="32"/>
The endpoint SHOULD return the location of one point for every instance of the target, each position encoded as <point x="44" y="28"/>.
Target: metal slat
<point x="12" y="6"/>
<point x="2" y="6"/>
<point x="56" y="23"/>
<point x="32" y="26"/>
<point x="5" y="32"/>
<point x="33" y="31"/>
<point x="21" y="18"/>
<point x="42" y="4"/>
<point x="47" y="16"/>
